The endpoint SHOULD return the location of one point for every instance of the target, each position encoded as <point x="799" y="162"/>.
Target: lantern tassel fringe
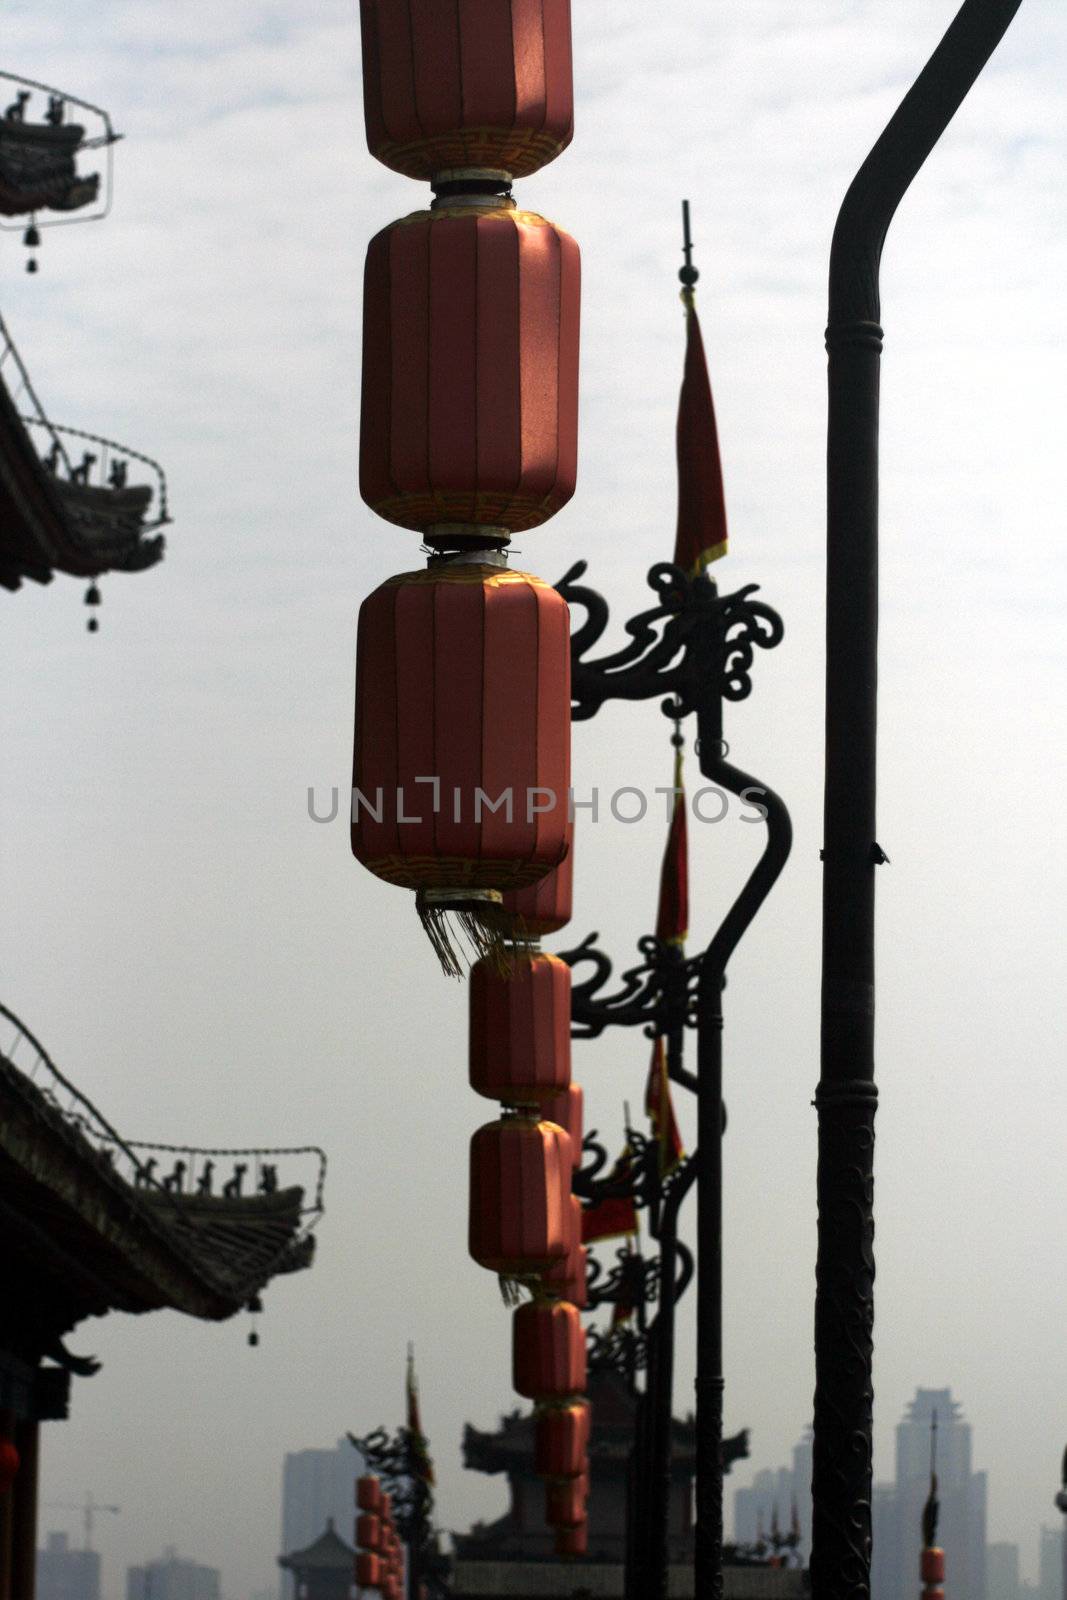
<point x="510" y="1290"/>
<point x="461" y="935"/>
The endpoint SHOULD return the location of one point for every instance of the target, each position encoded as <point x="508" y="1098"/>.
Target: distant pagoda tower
<point x="324" y="1571"/>
<point x="521" y="1534"/>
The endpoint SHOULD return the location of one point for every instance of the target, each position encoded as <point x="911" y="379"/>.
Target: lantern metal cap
<point x="492" y="555"/>
<point x="454" y="538"/>
<point x="472" y="186"/>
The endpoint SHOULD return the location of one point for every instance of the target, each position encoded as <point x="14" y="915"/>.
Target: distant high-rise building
<point x="66" y="1574"/>
<point x="171" y="1578"/>
<point x="1051" y="1564"/>
<point x="885" y="1543"/>
<point x="897" y="1508"/>
<point x="318" y="1486"/>
<point x="771" y="1497"/>
<point x="1002" y="1580"/>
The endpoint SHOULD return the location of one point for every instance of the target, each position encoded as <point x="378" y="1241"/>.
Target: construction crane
<point x="88" y="1510"/>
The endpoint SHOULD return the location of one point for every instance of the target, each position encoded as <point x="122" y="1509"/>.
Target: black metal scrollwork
<point x="691" y="636"/>
<point x="658" y="994"/>
<point x="633" y="1281"/>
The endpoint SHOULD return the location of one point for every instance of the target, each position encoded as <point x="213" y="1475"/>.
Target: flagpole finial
<point x="688" y="274"/>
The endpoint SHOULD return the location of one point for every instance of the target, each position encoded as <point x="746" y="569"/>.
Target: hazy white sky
<point x="210" y="965"/>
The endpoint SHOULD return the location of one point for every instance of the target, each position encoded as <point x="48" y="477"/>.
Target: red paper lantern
<point x="467" y="83"/>
<point x="519" y="1191"/>
<point x="561" y="1440"/>
<point x="520" y="1029"/>
<point x="368" y="1531"/>
<point x="368" y="1570"/>
<point x="470" y="373"/>
<point x="547" y="1350"/>
<point x="462" y="706"/>
<point x="567" y="1109"/>
<point x="932" y="1567"/>
<point x="573" y="1541"/>
<point x="566" y="1279"/>
<point x="9" y="1461"/>
<point x="545" y="907"/>
<point x="566" y="1500"/>
<point x="368" y="1493"/>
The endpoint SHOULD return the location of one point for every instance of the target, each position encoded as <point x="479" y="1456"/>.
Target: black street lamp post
<point x="695" y="648"/>
<point x="846" y="1096"/>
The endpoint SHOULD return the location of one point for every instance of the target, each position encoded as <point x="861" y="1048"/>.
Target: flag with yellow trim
<point x="659" y="1107"/>
<point x="615" y="1216"/>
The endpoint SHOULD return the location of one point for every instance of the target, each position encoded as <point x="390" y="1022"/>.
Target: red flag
<point x="701" y="536"/>
<point x="659" y="1108"/>
<point x="614" y="1217"/>
<point x="420" y="1455"/>
<point x="672" y="915"/>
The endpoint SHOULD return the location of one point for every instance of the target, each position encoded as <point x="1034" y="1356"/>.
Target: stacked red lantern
<point x="519" y="1196"/>
<point x="461" y="776"/>
<point x="566" y="1278"/>
<point x="468" y="433"/>
<point x="462" y="737"/>
<point x="568" y="1110"/>
<point x="470" y="372"/>
<point x="520" y="1029"/>
<point x="544" y="907"/>
<point x="379" y="1554"/>
<point x="548" y="1350"/>
<point x="932" y="1572"/>
<point x="467" y="84"/>
<point x="571" y="1542"/>
<point x="561" y="1439"/>
<point x="369" y="1533"/>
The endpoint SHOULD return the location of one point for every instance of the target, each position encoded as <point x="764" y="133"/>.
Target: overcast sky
<point x="210" y="965"/>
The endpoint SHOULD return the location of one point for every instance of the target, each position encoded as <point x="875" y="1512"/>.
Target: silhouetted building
<point x="88" y="1226"/>
<point x="324" y="1570"/>
<point x="771" y="1497"/>
<point x="171" y="1578"/>
<point x="318" y="1487"/>
<point x="1050" y="1581"/>
<point x="1002" y="1581"/>
<point x="66" y="1574"/>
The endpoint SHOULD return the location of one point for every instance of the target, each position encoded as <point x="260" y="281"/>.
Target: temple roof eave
<point x="123" y="1248"/>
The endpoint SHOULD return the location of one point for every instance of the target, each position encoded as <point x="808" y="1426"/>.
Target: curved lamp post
<point x="846" y="1095"/>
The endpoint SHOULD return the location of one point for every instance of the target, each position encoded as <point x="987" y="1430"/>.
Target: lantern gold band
<point x="443" y="899"/>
